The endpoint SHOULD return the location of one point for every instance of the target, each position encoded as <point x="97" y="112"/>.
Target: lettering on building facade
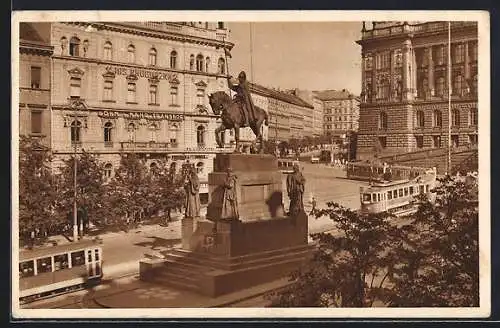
<point x="141" y="72"/>
<point x="141" y="115"/>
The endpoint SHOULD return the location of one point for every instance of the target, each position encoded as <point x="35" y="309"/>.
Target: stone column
<point x="406" y="70"/>
<point x="430" y="72"/>
<point x="392" y="82"/>
<point x="363" y="76"/>
<point x="374" y="77"/>
<point x="466" y="63"/>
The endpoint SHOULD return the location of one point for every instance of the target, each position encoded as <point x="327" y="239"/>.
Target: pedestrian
<point x="313" y="209"/>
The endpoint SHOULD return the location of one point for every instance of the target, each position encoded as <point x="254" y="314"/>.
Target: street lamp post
<point x="75" y="213"/>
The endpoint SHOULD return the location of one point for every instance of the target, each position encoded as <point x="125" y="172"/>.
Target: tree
<point x="269" y="147"/>
<point x="348" y="269"/>
<point x="169" y="192"/>
<point x="440" y="255"/>
<point x="37" y="191"/>
<point x="91" y="193"/>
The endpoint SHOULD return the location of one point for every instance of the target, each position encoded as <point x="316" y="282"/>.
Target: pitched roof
<point x="280" y="95"/>
<point x="333" y="94"/>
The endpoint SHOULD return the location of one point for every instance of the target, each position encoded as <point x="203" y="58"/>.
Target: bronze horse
<point x="232" y="118"/>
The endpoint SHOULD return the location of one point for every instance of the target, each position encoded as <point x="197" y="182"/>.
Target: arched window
<point x="473" y="116"/>
<point x="173" y="59"/>
<point x="437" y="118"/>
<point x="420" y="119"/>
<point x="153" y="94"/>
<point x="173" y="135"/>
<point x="108" y="51"/>
<point x="221" y="65"/>
<point x="440" y="87"/>
<point x="455" y="117"/>
<point x="207" y="64"/>
<point x="458" y="85"/>
<point x="200" y="136"/>
<point x="108" y="170"/>
<point x="131" y="87"/>
<point x="131" y="132"/>
<point x="131" y="53"/>
<point x="199" y="63"/>
<point x="191" y="62"/>
<point x="108" y="138"/>
<point x="76" y="127"/>
<point x="199" y="167"/>
<point x="74" y="46"/>
<point x="152" y="57"/>
<point x="382" y="123"/>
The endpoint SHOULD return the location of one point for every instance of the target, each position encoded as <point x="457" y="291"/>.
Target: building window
<point x="64" y="45"/>
<point x="419" y="140"/>
<point x="36" y="122"/>
<point x="173" y="92"/>
<point x="199" y="63"/>
<point x="221" y="64"/>
<point x="473" y="116"/>
<point x="454" y="140"/>
<point x="107" y="133"/>
<point x="383" y="89"/>
<point x="458" y="53"/>
<point x="191" y="62"/>
<point x="458" y="85"/>
<point x="383" y="60"/>
<point x="200" y="94"/>
<point x="75" y="86"/>
<point x="199" y="167"/>
<point x="200" y="136"/>
<point x="437" y="118"/>
<point x="382" y="141"/>
<point x="108" y="90"/>
<point x="420" y="119"/>
<point x="474" y="84"/>
<point x="440" y="87"/>
<point x="455" y="117"/>
<point x="131" y="92"/>
<point x="74" y="46"/>
<point x="152" y="129"/>
<point x="131" y="53"/>
<point x="424" y="86"/>
<point x="85" y="47"/>
<point x="173" y="135"/>
<point x="108" y="169"/>
<point x="473" y="139"/>
<point x="173" y="59"/>
<point x="440" y="55"/>
<point x="473" y="51"/>
<point x="207" y="64"/>
<point x="36" y="73"/>
<point x="108" y="51"/>
<point x="76" y="127"/>
<point x="368" y="62"/>
<point x="436" y="141"/>
<point x="152" y="57"/>
<point x="382" y="121"/>
<point x="153" y="93"/>
<point x="220" y="25"/>
<point x="131" y="132"/>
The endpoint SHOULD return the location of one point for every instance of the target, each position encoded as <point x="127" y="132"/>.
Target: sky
<point x="286" y="55"/>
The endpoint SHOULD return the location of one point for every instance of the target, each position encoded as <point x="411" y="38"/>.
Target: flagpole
<point x="227" y="64"/>
<point x="449" y="98"/>
<point x="251" y="54"/>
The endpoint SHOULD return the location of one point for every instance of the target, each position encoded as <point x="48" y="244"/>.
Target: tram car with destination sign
<point x="50" y="271"/>
<point x="397" y="197"/>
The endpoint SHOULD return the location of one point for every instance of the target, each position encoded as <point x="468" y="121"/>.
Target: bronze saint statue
<point x="239" y="112"/>
<point x="295" y="183"/>
<point x="192" y="187"/>
<point x="230" y="198"/>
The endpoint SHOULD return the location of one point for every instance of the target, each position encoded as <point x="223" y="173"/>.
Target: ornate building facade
<point x="340" y="111"/>
<point x="404" y="101"/>
<point x="138" y="87"/>
<point x="34" y="82"/>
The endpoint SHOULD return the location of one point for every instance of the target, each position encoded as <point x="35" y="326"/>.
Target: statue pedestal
<point x="219" y="256"/>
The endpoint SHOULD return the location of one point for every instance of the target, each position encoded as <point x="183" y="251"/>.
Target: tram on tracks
<point x="285" y="165"/>
<point x="58" y="269"/>
<point x="397" y="197"/>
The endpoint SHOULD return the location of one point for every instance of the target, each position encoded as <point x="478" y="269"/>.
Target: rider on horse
<point x="243" y="96"/>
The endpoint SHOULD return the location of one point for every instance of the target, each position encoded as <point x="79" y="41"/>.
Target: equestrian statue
<point x="238" y="112"/>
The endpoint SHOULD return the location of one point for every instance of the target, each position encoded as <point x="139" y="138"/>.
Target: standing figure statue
<point x="230" y="198"/>
<point x="295" y="183"/>
<point x="192" y="187"/>
<point x="244" y="98"/>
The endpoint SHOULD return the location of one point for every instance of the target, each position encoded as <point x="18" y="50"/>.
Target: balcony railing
<point x="218" y="34"/>
<point x="416" y="28"/>
<point x="146" y="146"/>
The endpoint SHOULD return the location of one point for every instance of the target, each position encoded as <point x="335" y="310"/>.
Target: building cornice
<point x="35" y="48"/>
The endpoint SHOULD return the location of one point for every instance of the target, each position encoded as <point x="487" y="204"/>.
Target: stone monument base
<point x="224" y="257"/>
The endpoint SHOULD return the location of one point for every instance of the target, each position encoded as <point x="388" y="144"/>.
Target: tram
<point x="285" y="165"/>
<point x="58" y="269"/>
<point x="396" y="196"/>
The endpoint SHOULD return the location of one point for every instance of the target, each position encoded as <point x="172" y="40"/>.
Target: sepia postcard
<point x="250" y="164"/>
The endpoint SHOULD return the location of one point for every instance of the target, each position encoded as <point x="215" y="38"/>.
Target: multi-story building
<point x="340" y="111"/>
<point x="314" y="119"/>
<point x="405" y="86"/>
<point x="138" y="87"/>
<point x="34" y="81"/>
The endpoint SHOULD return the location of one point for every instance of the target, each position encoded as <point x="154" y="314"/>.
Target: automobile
<point x="314" y="159"/>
